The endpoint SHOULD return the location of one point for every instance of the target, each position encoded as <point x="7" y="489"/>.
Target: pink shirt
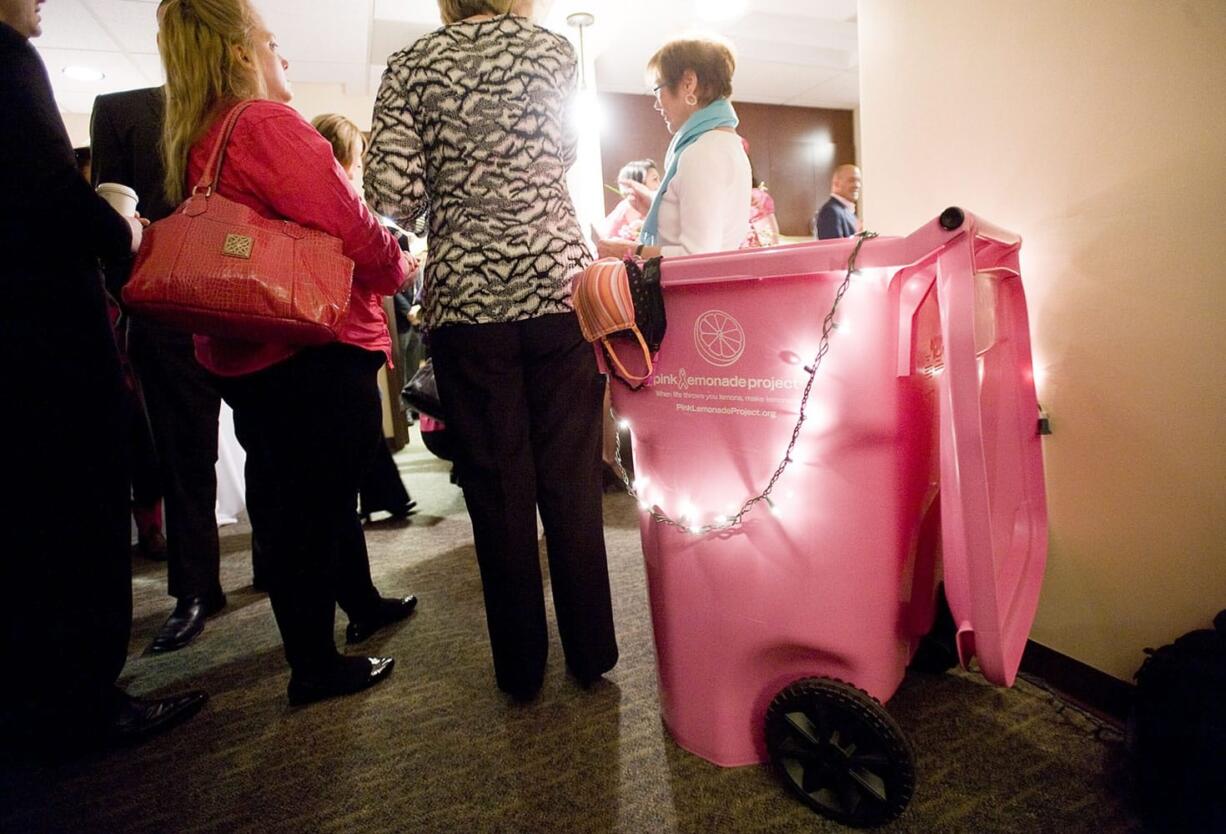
<point x="623" y="223"/>
<point x="279" y="166"/>
<point x="761" y="204"/>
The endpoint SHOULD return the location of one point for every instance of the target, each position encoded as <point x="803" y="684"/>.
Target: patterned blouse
<point x="471" y="123"/>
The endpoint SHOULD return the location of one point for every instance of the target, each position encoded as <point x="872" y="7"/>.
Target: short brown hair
<point x="710" y="59"/>
<point x="344" y="135"/>
<point x="454" y="11"/>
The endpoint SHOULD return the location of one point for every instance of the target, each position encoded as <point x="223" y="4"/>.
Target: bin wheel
<point x="840" y="752"/>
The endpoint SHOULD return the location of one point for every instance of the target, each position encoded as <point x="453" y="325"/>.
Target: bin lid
<point x="993" y="501"/>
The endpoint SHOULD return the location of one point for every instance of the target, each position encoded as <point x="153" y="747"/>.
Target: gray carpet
<point x="438" y="749"/>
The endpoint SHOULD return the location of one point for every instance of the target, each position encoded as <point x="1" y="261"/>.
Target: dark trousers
<point x="522" y="400"/>
<point x="306" y="425"/>
<point x="146" y="473"/>
<point x="183" y="405"/>
<point x="65" y="569"/>
<point x="382" y="487"/>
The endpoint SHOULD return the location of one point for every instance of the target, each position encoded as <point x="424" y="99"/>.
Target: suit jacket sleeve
<point x="111" y="161"/>
<point x="828" y="225"/>
<point x="848" y="222"/>
<point x="42" y="166"/>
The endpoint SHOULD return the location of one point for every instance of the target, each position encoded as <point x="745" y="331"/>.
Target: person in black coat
<point x="837" y="217"/>
<point x="65" y="569"/>
<point x="181" y="397"/>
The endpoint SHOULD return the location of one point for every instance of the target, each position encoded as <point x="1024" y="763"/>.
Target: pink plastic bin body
<point x="919" y="440"/>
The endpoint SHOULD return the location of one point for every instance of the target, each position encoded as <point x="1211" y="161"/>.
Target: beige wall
<point x="1097" y="131"/>
<point x="78" y="128"/>
<point x="313" y="99"/>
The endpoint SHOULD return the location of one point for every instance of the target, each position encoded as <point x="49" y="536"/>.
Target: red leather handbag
<point x="218" y="268"/>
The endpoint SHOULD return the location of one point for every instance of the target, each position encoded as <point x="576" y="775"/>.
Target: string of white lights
<point x="689" y="518"/>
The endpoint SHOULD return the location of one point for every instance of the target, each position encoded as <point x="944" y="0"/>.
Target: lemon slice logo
<point x="719" y="338"/>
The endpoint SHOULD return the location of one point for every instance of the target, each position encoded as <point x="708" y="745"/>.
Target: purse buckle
<point x="237" y="246"/>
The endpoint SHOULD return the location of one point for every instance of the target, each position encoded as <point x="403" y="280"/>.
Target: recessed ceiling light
<point x="78" y="73"/>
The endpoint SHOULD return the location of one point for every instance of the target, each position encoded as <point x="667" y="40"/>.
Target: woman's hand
<point x="408" y="265"/>
<point x="136" y="225"/>
<point x="639" y="195"/>
<point x="611" y="247"/>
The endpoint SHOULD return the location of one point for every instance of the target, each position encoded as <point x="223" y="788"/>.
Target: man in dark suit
<point x="183" y="404"/>
<point x="837" y="217"/>
<point x="65" y="569"/>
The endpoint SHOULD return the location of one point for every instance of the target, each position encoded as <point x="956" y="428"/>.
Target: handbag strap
<point x="621" y="369"/>
<point x="212" y="169"/>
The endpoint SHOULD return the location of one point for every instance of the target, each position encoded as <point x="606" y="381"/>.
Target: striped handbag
<point x="618" y="299"/>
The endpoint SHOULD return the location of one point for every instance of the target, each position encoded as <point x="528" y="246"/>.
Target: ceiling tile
<point x="130" y="23"/>
<point x="150" y="66"/>
<point x="841" y="91"/>
<point x="836" y="10"/>
<point x="321" y="30"/>
<point x="121" y="73"/>
<point x="424" y="12"/>
<point x="391" y="36"/>
<point x="794" y="51"/>
<point x="69" y="24"/>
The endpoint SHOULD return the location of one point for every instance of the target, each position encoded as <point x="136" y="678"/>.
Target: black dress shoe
<point x="522" y="692"/>
<point x="137" y="719"/>
<point x="588" y="678"/>
<point x="386" y="612"/>
<point x="398" y="514"/>
<point x="350" y="675"/>
<point x="404" y="511"/>
<point x="186" y="621"/>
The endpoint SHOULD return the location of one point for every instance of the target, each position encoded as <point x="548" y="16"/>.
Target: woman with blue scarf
<point x="702" y="204"/>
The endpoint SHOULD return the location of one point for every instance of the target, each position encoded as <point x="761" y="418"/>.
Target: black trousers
<point x="146" y="472"/>
<point x="306" y="425"/>
<point x="65" y="569"/>
<point x="523" y="400"/>
<point x="183" y="405"/>
<point x="382" y="487"/>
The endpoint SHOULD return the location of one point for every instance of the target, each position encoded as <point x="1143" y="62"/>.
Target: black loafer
<point x="350" y="675"/>
<point x="137" y="719"/>
<point x="186" y="621"/>
<point x="388" y="611"/>
<point x="398" y="514"/>
<point x="403" y="512"/>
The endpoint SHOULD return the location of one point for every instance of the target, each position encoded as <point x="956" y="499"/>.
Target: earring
<point x="691" y="100"/>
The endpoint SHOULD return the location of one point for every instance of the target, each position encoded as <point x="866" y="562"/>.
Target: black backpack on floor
<point x="1177" y="734"/>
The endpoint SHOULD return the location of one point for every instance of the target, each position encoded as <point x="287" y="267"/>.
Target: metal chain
<point x="828" y="325"/>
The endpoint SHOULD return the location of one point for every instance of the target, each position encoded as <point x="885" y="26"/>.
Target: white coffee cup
<point x="121" y="198"/>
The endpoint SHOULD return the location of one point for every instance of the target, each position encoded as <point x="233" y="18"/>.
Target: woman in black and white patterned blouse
<point x="471" y="122"/>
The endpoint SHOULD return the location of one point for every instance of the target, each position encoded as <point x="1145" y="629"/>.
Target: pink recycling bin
<point x="918" y="461"/>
